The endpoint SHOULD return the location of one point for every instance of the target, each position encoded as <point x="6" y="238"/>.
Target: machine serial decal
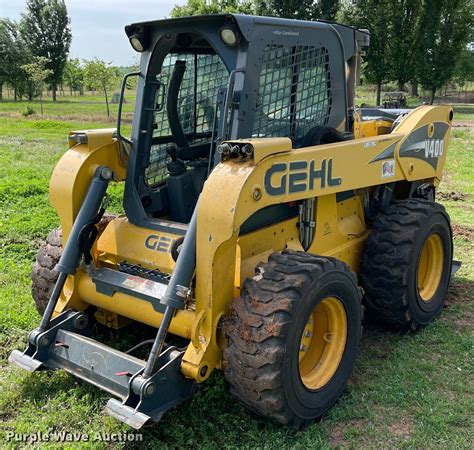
<point x="158" y="243"/>
<point x="299" y="176"/>
<point x="388" y="168"/>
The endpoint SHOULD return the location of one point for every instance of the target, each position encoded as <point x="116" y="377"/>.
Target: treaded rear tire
<point x="390" y="264"/>
<point x="265" y="328"/>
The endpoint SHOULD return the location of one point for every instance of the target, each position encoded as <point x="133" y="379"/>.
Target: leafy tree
<point x="102" y="76"/>
<point x="302" y="9"/>
<point x="37" y="73"/>
<point x="445" y="27"/>
<point x="375" y="15"/>
<point x="196" y="7"/>
<point x="291" y="9"/>
<point x="13" y="54"/>
<point x="464" y="70"/>
<point x="46" y="31"/>
<point x="404" y="40"/>
<point x="74" y="75"/>
<point x="328" y="9"/>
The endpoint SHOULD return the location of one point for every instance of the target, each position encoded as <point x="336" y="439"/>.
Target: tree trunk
<point x="414" y="89"/>
<point x="379" y="91"/>
<point x="15" y="95"/>
<point x="54" y="88"/>
<point x="107" y="102"/>
<point x="41" y="102"/>
<point x="401" y="86"/>
<point x="1" y="90"/>
<point x="432" y="97"/>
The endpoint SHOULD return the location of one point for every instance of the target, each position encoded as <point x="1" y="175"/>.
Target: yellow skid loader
<point x="263" y="211"/>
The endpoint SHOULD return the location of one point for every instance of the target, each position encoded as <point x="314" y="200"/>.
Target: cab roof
<point x="247" y="24"/>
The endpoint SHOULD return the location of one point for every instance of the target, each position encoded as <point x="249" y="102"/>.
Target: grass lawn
<point x="408" y="390"/>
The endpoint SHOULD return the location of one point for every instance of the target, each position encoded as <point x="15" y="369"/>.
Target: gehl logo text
<point x="299" y="176"/>
<point x="158" y="243"/>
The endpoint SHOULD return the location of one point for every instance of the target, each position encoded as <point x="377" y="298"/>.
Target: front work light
<point x="229" y="36"/>
<point x="138" y="41"/>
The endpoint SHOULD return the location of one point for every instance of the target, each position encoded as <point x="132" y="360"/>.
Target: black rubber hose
<point x="172" y="104"/>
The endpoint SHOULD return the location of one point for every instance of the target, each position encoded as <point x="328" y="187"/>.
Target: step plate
<point x="109" y="281"/>
<point x="94" y="362"/>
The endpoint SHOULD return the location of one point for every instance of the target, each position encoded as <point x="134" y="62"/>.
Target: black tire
<point x="43" y="275"/>
<point x="265" y="329"/>
<point x="391" y="261"/>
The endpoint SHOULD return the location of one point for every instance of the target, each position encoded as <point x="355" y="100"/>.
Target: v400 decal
<point x="299" y="176"/>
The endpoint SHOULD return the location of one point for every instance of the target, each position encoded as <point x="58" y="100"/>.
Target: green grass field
<point x="408" y="390"/>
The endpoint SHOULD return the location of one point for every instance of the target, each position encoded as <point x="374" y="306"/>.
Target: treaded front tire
<point x="265" y="337"/>
<point x="395" y="291"/>
<point x="43" y="275"/>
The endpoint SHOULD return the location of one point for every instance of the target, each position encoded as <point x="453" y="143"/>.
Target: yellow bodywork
<point x="234" y="191"/>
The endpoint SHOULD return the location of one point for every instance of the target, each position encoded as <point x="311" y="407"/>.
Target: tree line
<point x="413" y="42"/>
<point x="34" y="56"/>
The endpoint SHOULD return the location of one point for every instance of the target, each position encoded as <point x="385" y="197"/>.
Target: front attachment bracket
<point x="41" y="344"/>
<point x="149" y="398"/>
<point x="66" y="345"/>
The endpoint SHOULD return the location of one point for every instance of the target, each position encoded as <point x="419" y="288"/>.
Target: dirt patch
<point x="459" y="293"/>
<point x="463" y="231"/>
<point x="401" y="429"/>
<point x="455" y="196"/>
<point x="80" y="117"/>
<point x="337" y="439"/>
<point x="354" y="380"/>
<point x="462" y="294"/>
<point x="463" y="124"/>
<point x="465" y="323"/>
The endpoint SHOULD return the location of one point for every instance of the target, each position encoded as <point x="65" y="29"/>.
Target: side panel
<point x="239" y="187"/>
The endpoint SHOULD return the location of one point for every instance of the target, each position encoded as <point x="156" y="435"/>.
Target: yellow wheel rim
<point x="322" y="343"/>
<point x="430" y="267"/>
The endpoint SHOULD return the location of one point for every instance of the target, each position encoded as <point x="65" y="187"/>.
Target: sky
<point x="98" y="26"/>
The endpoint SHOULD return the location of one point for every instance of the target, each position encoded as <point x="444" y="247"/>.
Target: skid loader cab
<point x="273" y="78"/>
<point x="258" y="201"/>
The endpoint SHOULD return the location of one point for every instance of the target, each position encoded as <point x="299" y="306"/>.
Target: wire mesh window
<point x="203" y="77"/>
<point x="294" y="93"/>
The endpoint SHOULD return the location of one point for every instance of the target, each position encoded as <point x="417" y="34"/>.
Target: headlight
<point x="138" y="41"/>
<point x="229" y="36"/>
